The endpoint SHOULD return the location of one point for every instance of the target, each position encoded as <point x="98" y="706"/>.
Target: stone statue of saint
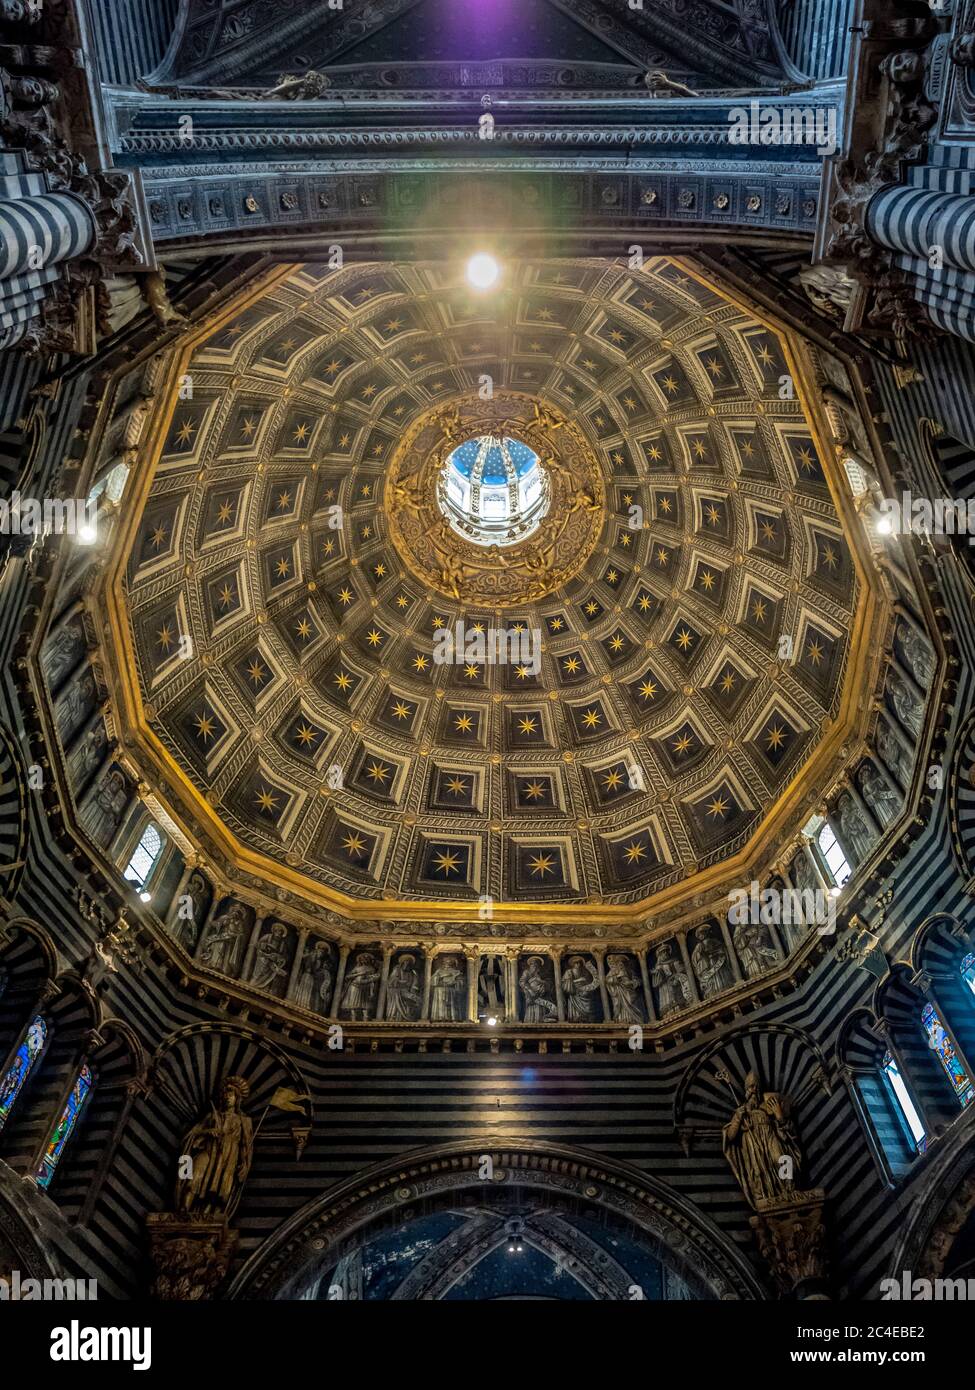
<point x="75" y="705"/>
<point x="918" y="654"/>
<point x="670" y="980"/>
<point x="892" y="753"/>
<point x="760" y="1144"/>
<point x="62" y="654"/>
<point x="221" y="950"/>
<point x="580" y="982"/>
<point x="403" y="990"/>
<point x="270" y="969"/>
<point x="754" y="949"/>
<point x="186" y="930"/>
<point x="711" y="964"/>
<point x="89" y="755"/>
<point x="102" y="812"/>
<point x="221" y="1147"/>
<point x="491" y="986"/>
<point x="535" y="989"/>
<point x="448" y="991"/>
<point x="361" y="981"/>
<point x="882" y="800"/>
<point x="907" y="707"/>
<point x="623" y="988"/>
<point x="855" y="831"/>
<point x="803" y="873"/>
<point x="314" y="988"/>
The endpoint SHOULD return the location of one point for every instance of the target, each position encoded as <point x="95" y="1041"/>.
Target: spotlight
<point x="835" y="891"/>
<point x="492" y="1022"/>
<point x="87" y="534"/>
<point x="145" y="897"/>
<point x="482" y="271"/>
<point x="885" y="526"/>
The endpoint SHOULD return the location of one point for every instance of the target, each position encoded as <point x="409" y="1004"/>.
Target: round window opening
<point x="494" y="490"/>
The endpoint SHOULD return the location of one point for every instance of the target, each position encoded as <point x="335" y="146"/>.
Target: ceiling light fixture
<point x="482" y="271"/>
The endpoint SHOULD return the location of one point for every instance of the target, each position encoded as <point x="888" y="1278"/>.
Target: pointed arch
<point x="339" y="1218"/>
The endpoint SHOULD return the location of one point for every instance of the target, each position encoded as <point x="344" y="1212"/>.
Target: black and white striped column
<point x="920" y="220"/>
<point x="42" y="230"/>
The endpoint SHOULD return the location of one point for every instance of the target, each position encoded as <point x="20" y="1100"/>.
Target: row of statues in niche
<point x="104" y="791"/>
<point x="400" y="985"/>
<point x="882" y="779"/>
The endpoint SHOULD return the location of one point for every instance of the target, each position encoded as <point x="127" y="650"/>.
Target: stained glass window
<point x="31" y="1046"/>
<point x="70" y="1116"/>
<point x="968" y="971"/>
<point x="939" y="1042"/>
<point x="904" y="1103"/>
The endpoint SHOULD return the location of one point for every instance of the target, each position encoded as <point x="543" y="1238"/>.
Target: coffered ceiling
<point x="698" y="637"/>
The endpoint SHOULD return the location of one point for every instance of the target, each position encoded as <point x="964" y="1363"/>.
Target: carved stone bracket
<point x="190" y="1258"/>
<point x="861" y="947"/>
<point x="891" y="117"/>
<point x="792" y="1239"/>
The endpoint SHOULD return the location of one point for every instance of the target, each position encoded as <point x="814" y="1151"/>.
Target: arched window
<point x="833" y="856"/>
<point x="940" y="1043"/>
<point x="25" y="1058"/>
<point x="968" y="971"/>
<point x="145" y="856"/>
<point x="62" y="1131"/>
<point x="905" y="1106"/>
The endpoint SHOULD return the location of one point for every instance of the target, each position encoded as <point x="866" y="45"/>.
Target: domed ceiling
<point x="632" y="689"/>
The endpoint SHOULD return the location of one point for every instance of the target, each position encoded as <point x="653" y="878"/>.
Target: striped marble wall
<point x="815" y="34"/>
<point x="131" y="36"/>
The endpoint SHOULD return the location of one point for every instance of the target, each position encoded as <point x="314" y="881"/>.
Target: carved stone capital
<point x="892" y="119"/>
<point x="792" y="1239"/>
<point x="190" y="1258"/>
